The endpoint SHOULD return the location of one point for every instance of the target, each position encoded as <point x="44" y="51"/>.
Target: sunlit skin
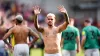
<point x="2" y="29"/>
<point x="21" y="32"/>
<point x="51" y="33"/>
<point x="50" y="36"/>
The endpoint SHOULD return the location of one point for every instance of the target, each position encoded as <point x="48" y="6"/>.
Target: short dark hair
<point x="19" y="19"/>
<point x="88" y="21"/>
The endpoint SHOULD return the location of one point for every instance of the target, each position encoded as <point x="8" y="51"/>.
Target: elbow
<point x="67" y="22"/>
<point x="3" y="38"/>
<point x="37" y="28"/>
<point x="37" y="37"/>
<point x="65" y="26"/>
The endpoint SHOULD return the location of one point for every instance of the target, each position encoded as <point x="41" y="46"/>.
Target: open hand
<point x="37" y="10"/>
<point x="62" y="9"/>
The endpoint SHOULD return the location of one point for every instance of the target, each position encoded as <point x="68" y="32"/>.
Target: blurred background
<point x="78" y="9"/>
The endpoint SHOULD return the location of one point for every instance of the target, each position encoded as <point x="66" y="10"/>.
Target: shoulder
<point x="4" y="29"/>
<point x="76" y="29"/>
<point x="28" y="28"/>
<point x="95" y="27"/>
<point x="45" y="28"/>
<point x="12" y="29"/>
<point x="84" y="28"/>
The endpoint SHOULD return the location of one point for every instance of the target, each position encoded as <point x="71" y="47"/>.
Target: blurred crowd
<point x="9" y="9"/>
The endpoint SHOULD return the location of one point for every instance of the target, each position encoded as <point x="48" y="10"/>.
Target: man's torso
<point x="52" y="40"/>
<point x="20" y="34"/>
<point x="69" y="36"/>
<point x="91" y="37"/>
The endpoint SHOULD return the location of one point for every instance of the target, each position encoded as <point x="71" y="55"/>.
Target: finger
<point x="60" y="6"/>
<point x="40" y="10"/>
<point x="33" y="7"/>
<point x="37" y="7"/>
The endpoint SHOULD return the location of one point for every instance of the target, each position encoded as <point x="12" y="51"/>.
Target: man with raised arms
<point x="50" y="33"/>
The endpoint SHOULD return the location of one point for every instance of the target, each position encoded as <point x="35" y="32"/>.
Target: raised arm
<point x="32" y="33"/>
<point x="64" y="25"/>
<point x="36" y="12"/>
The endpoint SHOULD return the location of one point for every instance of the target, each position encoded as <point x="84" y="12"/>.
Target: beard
<point x="50" y="24"/>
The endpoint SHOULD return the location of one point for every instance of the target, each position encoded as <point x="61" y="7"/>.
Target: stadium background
<point x="78" y="9"/>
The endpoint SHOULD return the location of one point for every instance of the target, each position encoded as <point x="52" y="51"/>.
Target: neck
<point x="88" y="25"/>
<point x="71" y="25"/>
<point x="13" y="25"/>
<point x="51" y="26"/>
<point x="19" y="24"/>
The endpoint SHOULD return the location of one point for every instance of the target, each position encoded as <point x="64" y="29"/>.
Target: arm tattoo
<point x="66" y="17"/>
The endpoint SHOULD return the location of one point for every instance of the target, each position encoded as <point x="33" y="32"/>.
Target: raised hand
<point x="62" y="9"/>
<point x="37" y="10"/>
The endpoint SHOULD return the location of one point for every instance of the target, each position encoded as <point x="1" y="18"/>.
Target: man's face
<point x="85" y="23"/>
<point x="50" y="20"/>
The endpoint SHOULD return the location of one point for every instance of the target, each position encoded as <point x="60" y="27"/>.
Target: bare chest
<point x="51" y="33"/>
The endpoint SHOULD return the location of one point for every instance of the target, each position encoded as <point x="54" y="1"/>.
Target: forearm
<point x="40" y="29"/>
<point x="36" y="21"/>
<point x="34" y="40"/>
<point x="82" y="44"/>
<point x="6" y="42"/>
<point x="78" y="44"/>
<point x="66" y="17"/>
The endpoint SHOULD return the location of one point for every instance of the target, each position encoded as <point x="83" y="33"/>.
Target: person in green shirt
<point x="90" y="36"/>
<point x="70" y="40"/>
